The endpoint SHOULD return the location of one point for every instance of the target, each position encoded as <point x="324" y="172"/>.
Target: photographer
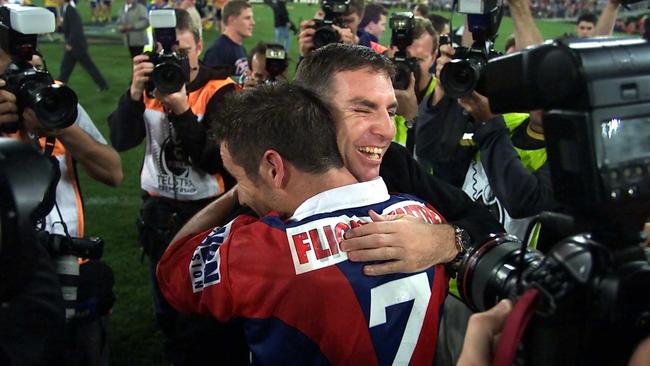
<point x="423" y="49"/>
<point x="181" y="172"/>
<point x="258" y="67"/>
<point x="348" y="34"/>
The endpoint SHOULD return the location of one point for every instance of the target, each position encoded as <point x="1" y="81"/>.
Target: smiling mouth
<point x="371" y="152"/>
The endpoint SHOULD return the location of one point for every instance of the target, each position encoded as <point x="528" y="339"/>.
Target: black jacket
<point x="403" y="174"/>
<point x="73" y="30"/>
<point x="127" y="126"/>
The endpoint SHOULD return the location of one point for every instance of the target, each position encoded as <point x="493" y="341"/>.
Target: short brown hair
<point x="423" y="25"/>
<point x="233" y="8"/>
<point x="317" y="70"/>
<point x="184" y="23"/>
<point x="285" y="117"/>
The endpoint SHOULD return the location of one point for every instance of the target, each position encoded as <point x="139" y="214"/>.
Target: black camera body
<point x="594" y="285"/>
<point x="401" y="25"/>
<point x="276" y="61"/>
<point x="171" y="71"/>
<point x="171" y="68"/>
<point x="465" y="73"/>
<point x="334" y="10"/>
<point x="55" y="105"/>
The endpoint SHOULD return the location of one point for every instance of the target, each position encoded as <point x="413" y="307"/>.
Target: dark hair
<point x="587" y="17"/>
<point x="423" y="25"/>
<point x="281" y="116"/>
<point x="357" y="6"/>
<point x="184" y="23"/>
<point x="259" y="48"/>
<point x="422" y="8"/>
<point x="372" y="13"/>
<point x="233" y="8"/>
<point x="438" y="22"/>
<point x="317" y="70"/>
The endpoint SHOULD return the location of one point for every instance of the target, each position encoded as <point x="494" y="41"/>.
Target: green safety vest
<point x="401" y="129"/>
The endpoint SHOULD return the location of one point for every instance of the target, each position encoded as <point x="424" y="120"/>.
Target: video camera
<point x="28" y="182"/>
<point x="276" y="61"/>
<point x="594" y="305"/>
<point x="466" y="72"/>
<point x="402" y="25"/>
<point x="171" y="68"/>
<point x="334" y="10"/>
<point x="55" y="105"/>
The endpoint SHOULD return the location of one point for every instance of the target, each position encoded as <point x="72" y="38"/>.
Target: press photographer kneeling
<point x="41" y="113"/>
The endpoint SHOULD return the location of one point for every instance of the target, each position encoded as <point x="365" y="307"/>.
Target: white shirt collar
<point x="353" y="195"/>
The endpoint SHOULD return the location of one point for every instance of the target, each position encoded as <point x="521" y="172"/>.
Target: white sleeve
<point x="86" y="123"/>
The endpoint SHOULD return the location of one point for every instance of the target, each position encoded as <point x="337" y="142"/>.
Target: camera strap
<point x="515" y="327"/>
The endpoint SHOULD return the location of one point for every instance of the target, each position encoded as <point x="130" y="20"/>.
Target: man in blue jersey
<point x="227" y="52"/>
<point x="285" y="275"/>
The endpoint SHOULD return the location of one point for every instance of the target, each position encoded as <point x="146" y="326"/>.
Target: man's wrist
<point x="462" y="242"/>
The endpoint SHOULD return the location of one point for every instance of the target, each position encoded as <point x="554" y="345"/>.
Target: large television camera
<point x="171" y="68"/>
<point x="466" y="71"/>
<point x="55" y="105"/>
<point x="402" y="25"/>
<point x="594" y="302"/>
<point x="28" y="182"/>
<point x="334" y="11"/>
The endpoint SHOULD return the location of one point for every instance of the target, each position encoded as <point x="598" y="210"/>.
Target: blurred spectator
<point x="420" y="10"/>
<point x="440" y="23"/>
<point x="373" y="23"/>
<point x="282" y="23"/>
<point x="586" y="25"/>
<point x="76" y="48"/>
<point x="227" y="51"/>
<point x="133" y="22"/>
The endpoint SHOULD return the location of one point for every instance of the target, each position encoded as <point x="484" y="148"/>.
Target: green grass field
<point x="111" y="212"/>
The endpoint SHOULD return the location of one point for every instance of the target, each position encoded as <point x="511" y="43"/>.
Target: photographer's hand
<point x="346" y="35"/>
<point x="177" y="102"/>
<point x="306" y="37"/>
<point x="141" y="70"/>
<point x="446" y="53"/>
<point x="8" y="105"/>
<point x="407" y="101"/>
<point x="483" y="331"/>
<point x="478" y="106"/>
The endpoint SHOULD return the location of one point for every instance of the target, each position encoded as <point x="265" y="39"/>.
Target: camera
<point x="334" y="10"/>
<point x="466" y="71"/>
<point x="402" y="25"/>
<point x="594" y="284"/>
<point x="55" y="105"/>
<point x="171" y="68"/>
<point x="276" y="61"/>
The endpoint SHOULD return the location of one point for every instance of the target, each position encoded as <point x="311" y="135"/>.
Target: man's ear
<point x="273" y="169"/>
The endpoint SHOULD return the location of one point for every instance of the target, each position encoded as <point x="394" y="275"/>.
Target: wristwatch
<point x="462" y="243"/>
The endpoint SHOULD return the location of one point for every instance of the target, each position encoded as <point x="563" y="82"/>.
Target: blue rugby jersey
<point x="301" y="300"/>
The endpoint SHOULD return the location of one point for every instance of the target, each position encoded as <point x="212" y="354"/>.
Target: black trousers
<point x="187" y="337"/>
<point x="70" y="59"/>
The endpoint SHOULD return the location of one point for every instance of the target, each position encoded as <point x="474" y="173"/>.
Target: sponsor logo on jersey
<point x="205" y="264"/>
<point x="316" y="244"/>
<point x="414" y="208"/>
